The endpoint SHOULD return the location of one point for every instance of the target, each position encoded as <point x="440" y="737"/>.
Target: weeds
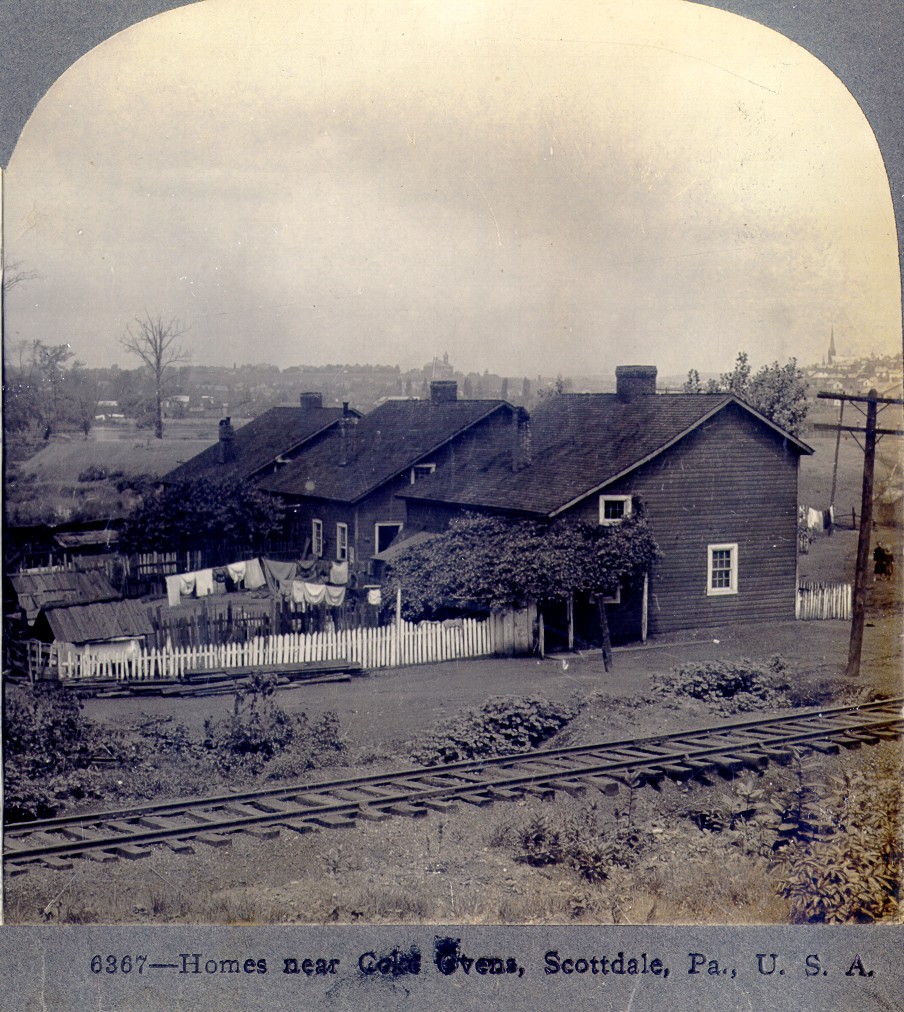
<point x="501" y="726"/>
<point x="727" y="686"/>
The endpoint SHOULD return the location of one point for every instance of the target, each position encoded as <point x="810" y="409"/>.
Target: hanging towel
<point x="306" y="568"/>
<point x="187" y="584"/>
<point x="831" y="515"/>
<point x="204" y="582"/>
<point x="254" y="575"/>
<point x="375" y="597"/>
<point x="339" y="574"/>
<point x="173" y="590"/>
<point x="236" y="571"/>
<point x="276" y="571"/>
<point x="334" y="596"/>
<point x="314" y="593"/>
<point x="286" y="589"/>
<point x="814" y="519"/>
<point x="298" y="591"/>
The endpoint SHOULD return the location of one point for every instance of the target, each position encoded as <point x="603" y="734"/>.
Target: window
<point x="317" y="538"/>
<point x="614" y="508"/>
<point x="613" y="595"/>
<point x="421" y="471"/>
<point x="341" y="542"/>
<point x="722" y="569"/>
<point x="384" y="535"/>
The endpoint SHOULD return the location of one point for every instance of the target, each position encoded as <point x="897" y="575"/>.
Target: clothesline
<point x="284" y="579"/>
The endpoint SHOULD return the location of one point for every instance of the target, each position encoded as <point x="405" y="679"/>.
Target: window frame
<point x="609" y="521"/>
<point x="425" y="469"/>
<point x="385" y="523"/>
<point x="732" y="588"/>
<point x="341" y="542"/>
<point x="317" y="538"/>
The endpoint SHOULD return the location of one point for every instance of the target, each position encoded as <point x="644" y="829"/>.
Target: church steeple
<point x="831" y="356"/>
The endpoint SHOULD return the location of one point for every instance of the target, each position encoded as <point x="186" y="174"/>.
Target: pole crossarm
<point x="826" y="427"/>
<point x="863" y="399"/>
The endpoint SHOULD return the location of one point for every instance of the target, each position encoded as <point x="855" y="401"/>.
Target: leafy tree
<point x="777" y="391"/>
<point x="82" y="394"/>
<point x="482" y="563"/>
<point x="155" y="343"/>
<point x="191" y="513"/>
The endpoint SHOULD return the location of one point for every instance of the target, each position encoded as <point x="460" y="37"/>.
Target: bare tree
<point x="16" y="273"/>
<point x="155" y="343"/>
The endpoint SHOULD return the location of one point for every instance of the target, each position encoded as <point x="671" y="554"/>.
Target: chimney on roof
<point x="227" y="441"/>
<point x="311" y="399"/>
<point x="348" y="430"/>
<point x="522" y="442"/>
<point x="635" y="381"/>
<point x="443" y="391"/>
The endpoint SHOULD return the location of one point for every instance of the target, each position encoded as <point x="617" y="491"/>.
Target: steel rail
<point x="303" y="807"/>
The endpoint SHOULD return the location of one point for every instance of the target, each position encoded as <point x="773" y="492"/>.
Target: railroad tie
<point x="180" y="846"/>
<point x="413" y="811"/>
<point x="330" y="821"/>
<point x="130" y="851"/>
<point x="261" y="832"/>
<point x="213" y="839"/>
<point x="373" y="814"/>
<point x="57" y="863"/>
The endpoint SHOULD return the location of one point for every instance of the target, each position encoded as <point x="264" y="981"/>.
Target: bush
<point x="259" y="730"/>
<point x="48" y="746"/>
<point x="95" y="472"/>
<point x="501" y="726"/>
<point x="728" y="686"/>
<point x="582" y="841"/>
<point x="850" y="870"/>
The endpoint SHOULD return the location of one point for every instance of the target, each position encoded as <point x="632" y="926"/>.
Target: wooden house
<point x="343" y="491"/>
<point x="263" y="445"/>
<point x="716" y="480"/>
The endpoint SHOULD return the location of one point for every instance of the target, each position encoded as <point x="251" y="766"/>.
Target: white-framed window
<point x="385" y="532"/>
<point x="614" y="508"/>
<point x="341" y="542"/>
<point x="317" y="538"/>
<point x="721" y="569"/>
<point x="421" y="471"/>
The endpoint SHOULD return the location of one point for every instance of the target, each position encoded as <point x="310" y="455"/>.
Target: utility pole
<point x="870" y="433"/>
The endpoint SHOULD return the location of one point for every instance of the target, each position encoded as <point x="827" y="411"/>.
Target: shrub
<point x="48" y="745"/>
<point x="501" y="726"/>
<point x="728" y="686"/>
<point x="96" y="472"/>
<point x="848" y="868"/>
<point x="260" y="730"/>
<point x="580" y="840"/>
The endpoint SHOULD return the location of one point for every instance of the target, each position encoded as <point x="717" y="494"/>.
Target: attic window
<point x="614" y="508"/>
<point x="421" y="471"/>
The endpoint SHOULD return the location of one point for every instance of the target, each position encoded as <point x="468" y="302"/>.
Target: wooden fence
<point x="821" y="600"/>
<point x="395" y="645"/>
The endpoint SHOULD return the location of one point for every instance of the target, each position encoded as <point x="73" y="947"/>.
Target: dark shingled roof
<point x="99" y="623"/>
<point x="35" y="591"/>
<point x="580" y="442"/>
<point x="258" y="443"/>
<point x="382" y="445"/>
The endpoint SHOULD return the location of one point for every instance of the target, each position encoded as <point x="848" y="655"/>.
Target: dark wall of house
<point x="731" y="480"/>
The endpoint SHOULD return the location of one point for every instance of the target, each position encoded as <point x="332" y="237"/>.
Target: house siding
<point x="732" y="480"/>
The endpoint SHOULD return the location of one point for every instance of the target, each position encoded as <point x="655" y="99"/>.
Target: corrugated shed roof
<point x="382" y="444"/>
<point x="98" y="623"/>
<point x="36" y="591"/>
<point x="258" y="443"/>
<point x="579" y="443"/>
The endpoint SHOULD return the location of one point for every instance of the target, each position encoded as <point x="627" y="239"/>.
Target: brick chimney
<point x="227" y="441"/>
<point x="443" y="391"/>
<point x="311" y="399"/>
<point x="522" y="441"/>
<point x="348" y="430"/>
<point x="635" y="381"/>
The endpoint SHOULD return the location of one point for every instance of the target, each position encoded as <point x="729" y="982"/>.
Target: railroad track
<point x="725" y="748"/>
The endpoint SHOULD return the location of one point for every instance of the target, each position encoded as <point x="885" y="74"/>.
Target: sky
<point x="532" y="187"/>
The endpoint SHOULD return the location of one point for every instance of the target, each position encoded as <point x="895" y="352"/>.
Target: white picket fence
<point x="819" y="600"/>
<point x="395" y="645"/>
